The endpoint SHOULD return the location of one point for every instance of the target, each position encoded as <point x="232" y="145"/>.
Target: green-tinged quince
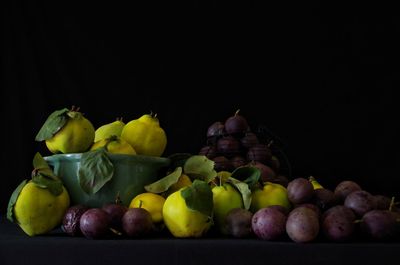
<point x="225" y="198"/>
<point x="67" y="131"/>
<point x="114" y="145"/>
<point x="269" y="194"/>
<point x="109" y="129"/>
<point x="39" y="205"/>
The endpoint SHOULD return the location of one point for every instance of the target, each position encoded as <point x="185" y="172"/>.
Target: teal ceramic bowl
<point x="131" y="174"/>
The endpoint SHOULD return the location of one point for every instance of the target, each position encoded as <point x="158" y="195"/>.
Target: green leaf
<point x="200" y="167"/>
<point x="40" y="166"/>
<point x="54" y="186"/>
<point x="247" y="174"/>
<point x="163" y="184"/>
<point x="96" y="169"/>
<point x="13" y="200"/>
<point x="244" y="189"/>
<point x="52" y="125"/>
<point x="199" y="197"/>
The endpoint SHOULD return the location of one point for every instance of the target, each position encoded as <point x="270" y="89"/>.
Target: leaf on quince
<point x="54" y="186"/>
<point x="95" y="171"/>
<point x="247" y="174"/>
<point x="164" y="183"/>
<point x="13" y="200"/>
<point x="40" y="166"/>
<point x="200" y="167"/>
<point x="52" y="125"/>
<point x="199" y="197"/>
<point x="244" y="190"/>
<point x="44" y="177"/>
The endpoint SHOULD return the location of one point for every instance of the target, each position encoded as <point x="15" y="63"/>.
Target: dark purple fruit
<point x="267" y="174"/>
<point x="209" y="151"/>
<point x="249" y="140"/>
<point x="95" y="223"/>
<point x="382" y="202"/>
<point x="280" y="208"/>
<point x="228" y="146"/>
<point x="337" y="224"/>
<point x="302" y="225"/>
<point x="222" y="164"/>
<point x="71" y="221"/>
<point x="344" y="188"/>
<point x="238" y="223"/>
<point x="300" y="190"/>
<point x="260" y="153"/>
<point x="268" y="223"/>
<point x="216" y="129"/>
<point x="137" y="222"/>
<point x="310" y="206"/>
<point x="115" y="211"/>
<point x="360" y="202"/>
<point x="324" y="198"/>
<point x="238" y="161"/>
<point x="236" y="124"/>
<point x="379" y="224"/>
<point x="340" y="210"/>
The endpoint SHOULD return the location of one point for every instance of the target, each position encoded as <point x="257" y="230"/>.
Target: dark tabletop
<point x="58" y="248"/>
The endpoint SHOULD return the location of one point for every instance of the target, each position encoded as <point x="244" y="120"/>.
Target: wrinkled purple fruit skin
<point x="71" y="221"/>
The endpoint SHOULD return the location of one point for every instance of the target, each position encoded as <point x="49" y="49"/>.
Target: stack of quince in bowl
<point x="88" y="167"/>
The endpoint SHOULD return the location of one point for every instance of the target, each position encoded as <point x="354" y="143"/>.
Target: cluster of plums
<point x="232" y="144"/>
<point x="347" y="213"/>
<point x="111" y="219"/>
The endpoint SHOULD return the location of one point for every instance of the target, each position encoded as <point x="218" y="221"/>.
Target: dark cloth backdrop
<point x="321" y="79"/>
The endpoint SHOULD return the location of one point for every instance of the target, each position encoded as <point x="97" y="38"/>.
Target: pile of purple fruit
<point x="348" y="213"/>
<point x="110" y="220"/>
<point x="232" y="144"/>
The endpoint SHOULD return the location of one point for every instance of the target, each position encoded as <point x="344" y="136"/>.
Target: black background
<point x="321" y="78"/>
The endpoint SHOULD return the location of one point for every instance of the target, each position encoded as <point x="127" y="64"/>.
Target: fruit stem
<point x="74" y="108"/>
<point x="391" y="204"/>
<point x="140" y="203"/>
<point x="115" y="231"/>
<point x="311" y="178"/>
<point x="118" y="199"/>
<point x="358" y="221"/>
<point x="270" y="143"/>
<point x="237" y="112"/>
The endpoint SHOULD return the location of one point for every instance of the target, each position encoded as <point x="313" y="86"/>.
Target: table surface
<point x="58" y="248"/>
